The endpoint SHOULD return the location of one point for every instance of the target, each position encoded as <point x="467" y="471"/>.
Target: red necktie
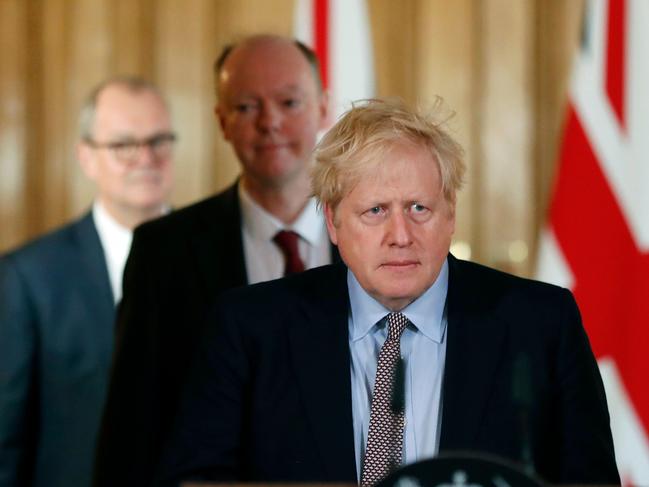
<point x="287" y="242"/>
<point x="385" y="432"/>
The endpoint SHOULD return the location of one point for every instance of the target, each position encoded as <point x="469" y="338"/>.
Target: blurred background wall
<point x="501" y="65"/>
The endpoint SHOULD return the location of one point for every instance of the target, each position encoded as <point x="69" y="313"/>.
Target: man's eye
<point x="374" y="215"/>
<point x="244" y="107"/>
<point x="419" y="212"/>
<point x="157" y="142"/>
<point x="291" y="102"/>
<point x="161" y="140"/>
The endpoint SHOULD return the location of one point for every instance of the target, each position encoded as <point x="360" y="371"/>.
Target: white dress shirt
<point x="423" y="349"/>
<point x="116" y="241"/>
<point x="264" y="259"/>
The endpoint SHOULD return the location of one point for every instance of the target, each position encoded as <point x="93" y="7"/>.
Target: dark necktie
<point x="385" y="432"/>
<point x="287" y="242"/>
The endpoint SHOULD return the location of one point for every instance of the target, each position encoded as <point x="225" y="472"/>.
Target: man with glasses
<point x="270" y="108"/>
<point x="58" y="293"/>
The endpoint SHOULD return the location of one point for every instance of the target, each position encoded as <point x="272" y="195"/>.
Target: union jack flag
<point x="339" y="32"/>
<point x="597" y="240"/>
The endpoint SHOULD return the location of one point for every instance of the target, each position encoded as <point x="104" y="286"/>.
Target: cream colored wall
<point x="501" y="65"/>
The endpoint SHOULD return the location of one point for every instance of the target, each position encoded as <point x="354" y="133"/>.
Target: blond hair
<point x="360" y="138"/>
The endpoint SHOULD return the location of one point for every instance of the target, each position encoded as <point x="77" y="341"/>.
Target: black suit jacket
<point x="271" y="395"/>
<point x="177" y="266"/>
<point x="56" y="343"/>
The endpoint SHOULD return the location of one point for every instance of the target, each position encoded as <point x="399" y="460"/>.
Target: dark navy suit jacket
<point x="270" y="398"/>
<point x="56" y="339"/>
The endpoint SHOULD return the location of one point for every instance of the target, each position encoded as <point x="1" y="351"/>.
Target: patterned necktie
<point x="385" y="433"/>
<point x="287" y="242"/>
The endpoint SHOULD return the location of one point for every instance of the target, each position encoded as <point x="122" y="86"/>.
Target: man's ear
<point x="219" y="113"/>
<point x="86" y="160"/>
<point x="330" y="215"/>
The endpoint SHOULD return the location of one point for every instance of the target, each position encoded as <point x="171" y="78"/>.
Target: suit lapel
<point x="475" y="340"/>
<point x="93" y="260"/>
<point x="218" y="245"/>
<point x="319" y="346"/>
<point x="320" y="354"/>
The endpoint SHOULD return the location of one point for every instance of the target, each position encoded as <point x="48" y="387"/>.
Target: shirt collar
<point x="108" y="228"/>
<point x="261" y="225"/>
<point x="425" y="313"/>
<point x="116" y="242"/>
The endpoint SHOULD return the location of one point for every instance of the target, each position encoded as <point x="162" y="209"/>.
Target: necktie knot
<point x="287" y="241"/>
<point x="397" y="322"/>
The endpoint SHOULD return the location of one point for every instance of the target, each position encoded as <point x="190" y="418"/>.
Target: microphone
<point x="523" y="397"/>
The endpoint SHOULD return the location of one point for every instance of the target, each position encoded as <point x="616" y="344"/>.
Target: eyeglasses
<point x="128" y="150"/>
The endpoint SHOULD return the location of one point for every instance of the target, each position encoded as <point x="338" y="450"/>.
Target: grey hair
<point x="88" y="110"/>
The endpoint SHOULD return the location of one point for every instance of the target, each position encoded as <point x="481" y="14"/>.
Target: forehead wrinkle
<point x="391" y="188"/>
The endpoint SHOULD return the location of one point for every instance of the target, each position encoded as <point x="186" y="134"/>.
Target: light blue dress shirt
<point x="423" y="349"/>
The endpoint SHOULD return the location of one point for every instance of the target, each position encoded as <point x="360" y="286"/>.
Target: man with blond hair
<point x="58" y="293"/>
<point x="297" y="382"/>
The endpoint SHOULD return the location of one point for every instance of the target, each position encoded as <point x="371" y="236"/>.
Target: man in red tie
<point x="297" y="382"/>
<point x="270" y="108"/>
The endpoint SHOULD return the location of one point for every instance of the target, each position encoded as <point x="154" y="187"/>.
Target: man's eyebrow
<point x="129" y="136"/>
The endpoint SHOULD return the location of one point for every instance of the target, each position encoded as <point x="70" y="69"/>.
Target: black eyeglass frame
<point x="127" y="150"/>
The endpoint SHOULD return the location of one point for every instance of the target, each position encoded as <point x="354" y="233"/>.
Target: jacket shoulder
<point x="203" y="212"/>
<point x="50" y="246"/>
<point x="479" y="291"/>
<point x="493" y="282"/>
<point x="315" y="286"/>
<point x="318" y="281"/>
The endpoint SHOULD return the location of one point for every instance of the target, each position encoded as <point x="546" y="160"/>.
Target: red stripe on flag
<point x="321" y="37"/>
<point x="610" y="271"/>
<point x="616" y="57"/>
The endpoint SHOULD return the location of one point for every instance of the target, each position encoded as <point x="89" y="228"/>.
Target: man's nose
<point x="146" y="155"/>
<point x="270" y="117"/>
<point x="400" y="233"/>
